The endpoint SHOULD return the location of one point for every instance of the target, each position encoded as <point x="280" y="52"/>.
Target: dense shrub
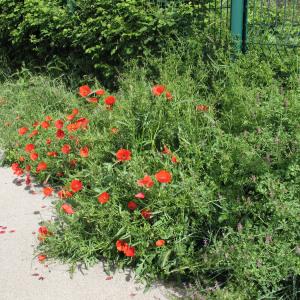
<point x="230" y="215"/>
<point x="92" y="37"/>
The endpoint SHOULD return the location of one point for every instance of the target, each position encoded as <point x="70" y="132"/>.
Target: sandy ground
<point x="23" y="277"/>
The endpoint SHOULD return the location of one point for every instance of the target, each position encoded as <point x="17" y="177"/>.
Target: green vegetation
<point x="230" y="215"/>
<point x="91" y="37"/>
<point x="223" y="127"/>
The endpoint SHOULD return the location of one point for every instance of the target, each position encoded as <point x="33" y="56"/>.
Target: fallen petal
<point x="109" y="278"/>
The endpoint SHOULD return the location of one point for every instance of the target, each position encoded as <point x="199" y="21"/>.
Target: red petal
<point x="140" y="195"/>
<point x="109" y="278"/>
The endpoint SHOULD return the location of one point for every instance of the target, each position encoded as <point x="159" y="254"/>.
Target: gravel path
<point x="22" y="277"/>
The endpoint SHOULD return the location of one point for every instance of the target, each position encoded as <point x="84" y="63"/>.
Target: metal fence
<point x="272" y="24"/>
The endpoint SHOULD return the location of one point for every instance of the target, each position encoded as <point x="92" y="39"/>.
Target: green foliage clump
<point x="229" y="217"/>
<point x="91" y="37"/>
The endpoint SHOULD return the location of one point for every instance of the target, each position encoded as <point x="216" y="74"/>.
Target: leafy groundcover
<point x="191" y="174"/>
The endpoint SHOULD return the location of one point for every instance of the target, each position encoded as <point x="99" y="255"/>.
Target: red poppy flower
<point x="43" y="230"/>
<point x="42" y="257"/>
<point x="76" y="185"/>
<point x="66" y="149"/>
<point x="84" y="152"/>
<point x="22" y="130"/>
<point x="110" y="100"/>
<point x="160" y="243"/>
<point x="202" y="107"/>
<point x="140" y="196"/>
<point x="114" y="130"/>
<point x="52" y="154"/>
<point x="68" y="194"/>
<point x="146" y="213"/>
<point x="82" y="122"/>
<point x="125" y="248"/>
<point x="33" y="133"/>
<point x="157" y="90"/>
<point x="123" y="155"/>
<point x="48" y="141"/>
<point x="19" y="172"/>
<point x="59" y="124"/>
<point x="120" y="245"/>
<point x="73" y="127"/>
<point x="60" y="134"/>
<point x="100" y="92"/>
<point x="68" y="209"/>
<point x="75" y="111"/>
<point x="103" y="198"/>
<point x="34" y="156"/>
<point x="166" y="150"/>
<point x="84" y="90"/>
<point x="62" y="194"/>
<point x="174" y="159"/>
<point x="163" y="176"/>
<point x="70" y="117"/>
<point x="129" y="250"/>
<point x="48" y="118"/>
<point x="42" y="166"/>
<point x="45" y="124"/>
<point x="47" y="191"/>
<point x="132" y="205"/>
<point x="146" y="182"/>
<point x="21" y="158"/>
<point x="15" y="166"/>
<point x="28" y="168"/>
<point x="92" y="100"/>
<point x="169" y="96"/>
<point x="36" y="124"/>
<point x="29" y="148"/>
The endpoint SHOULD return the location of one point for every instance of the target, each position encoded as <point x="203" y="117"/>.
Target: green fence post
<point x="238" y="23"/>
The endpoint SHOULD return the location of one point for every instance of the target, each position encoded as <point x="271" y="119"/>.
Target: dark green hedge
<point x="94" y="37"/>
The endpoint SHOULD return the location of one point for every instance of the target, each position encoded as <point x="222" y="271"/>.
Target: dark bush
<point x="91" y="37"/>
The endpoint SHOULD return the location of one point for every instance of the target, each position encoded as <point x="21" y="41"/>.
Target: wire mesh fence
<point x="274" y="23"/>
<point x="268" y="24"/>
